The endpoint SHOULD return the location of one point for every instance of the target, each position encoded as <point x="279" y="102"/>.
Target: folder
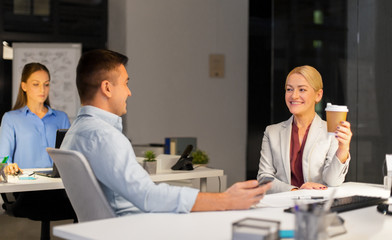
<point x="177" y="145"/>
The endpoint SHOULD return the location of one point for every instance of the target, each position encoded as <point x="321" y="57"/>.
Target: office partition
<point x="348" y="42"/>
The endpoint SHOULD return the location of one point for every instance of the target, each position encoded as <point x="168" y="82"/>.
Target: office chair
<point x="44" y="206"/>
<point x="81" y="185"/>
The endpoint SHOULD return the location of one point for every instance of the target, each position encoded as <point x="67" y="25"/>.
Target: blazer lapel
<point x="311" y="140"/>
<point x="285" y="139"/>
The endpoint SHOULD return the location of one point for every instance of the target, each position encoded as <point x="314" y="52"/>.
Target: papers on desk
<point x="27" y="175"/>
<point x="288" y="199"/>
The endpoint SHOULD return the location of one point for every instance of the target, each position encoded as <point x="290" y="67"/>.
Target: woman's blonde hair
<point x="28" y="69"/>
<point x="310" y="74"/>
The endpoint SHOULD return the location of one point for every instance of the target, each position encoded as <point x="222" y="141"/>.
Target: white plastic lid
<point x="336" y="108"/>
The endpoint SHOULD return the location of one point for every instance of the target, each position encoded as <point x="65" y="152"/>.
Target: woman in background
<point x="299" y="153"/>
<point x="25" y="133"/>
<point x="31" y="126"/>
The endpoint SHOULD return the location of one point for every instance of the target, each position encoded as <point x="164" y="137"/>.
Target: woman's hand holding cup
<point x="338" y="126"/>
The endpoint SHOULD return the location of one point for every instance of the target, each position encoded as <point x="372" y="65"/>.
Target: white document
<point x="288" y="199"/>
<point x="388" y="159"/>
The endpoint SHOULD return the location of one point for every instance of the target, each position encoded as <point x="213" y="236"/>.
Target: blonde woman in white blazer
<point x="299" y="153"/>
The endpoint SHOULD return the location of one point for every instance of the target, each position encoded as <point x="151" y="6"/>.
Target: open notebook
<point x="54" y="173"/>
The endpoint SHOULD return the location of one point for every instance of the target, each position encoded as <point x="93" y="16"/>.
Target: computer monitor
<point x="60" y="134"/>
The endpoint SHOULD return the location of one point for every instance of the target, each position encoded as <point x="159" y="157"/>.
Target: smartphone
<point x="266" y="180"/>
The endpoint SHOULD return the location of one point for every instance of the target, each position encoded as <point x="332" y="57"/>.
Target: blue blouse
<point x="24" y="137"/>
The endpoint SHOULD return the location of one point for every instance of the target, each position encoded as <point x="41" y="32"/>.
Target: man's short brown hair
<point x="94" y="67"/>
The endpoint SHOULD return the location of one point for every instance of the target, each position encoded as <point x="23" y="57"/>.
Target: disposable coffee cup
<point x="335" y="114"/>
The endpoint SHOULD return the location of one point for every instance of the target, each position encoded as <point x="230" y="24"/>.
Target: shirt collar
<point x="106" y="116"/>
<point x="26" y="110"/>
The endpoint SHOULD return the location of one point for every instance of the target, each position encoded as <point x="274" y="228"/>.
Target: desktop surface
<point x="45" y="183"/>
<point x="14" y="184"/>
<point x="365" y="223"/>
<point x="200" y="172"/>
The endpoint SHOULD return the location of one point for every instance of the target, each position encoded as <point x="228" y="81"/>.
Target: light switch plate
<point x="217" y="65"/>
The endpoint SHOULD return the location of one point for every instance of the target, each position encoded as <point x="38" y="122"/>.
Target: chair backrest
<point x="81" y="185"/>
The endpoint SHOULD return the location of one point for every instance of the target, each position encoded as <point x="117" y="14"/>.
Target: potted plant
<point x="199" y="157"/>
<point x="149" y="162"/>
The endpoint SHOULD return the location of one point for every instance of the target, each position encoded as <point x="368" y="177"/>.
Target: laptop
<point x="54" y="173"/>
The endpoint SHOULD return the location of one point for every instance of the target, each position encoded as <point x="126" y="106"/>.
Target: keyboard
<point x="349" y="203"/>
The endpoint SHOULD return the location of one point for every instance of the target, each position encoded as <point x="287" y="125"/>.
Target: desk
<point x="41" y="183"/>
<point x="201" y="173"/>
<point x="364" y="223"/>
<point x="45" y="183"/>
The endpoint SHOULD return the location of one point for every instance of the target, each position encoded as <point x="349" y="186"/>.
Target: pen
<point x="5" y="159"/>
<point x="308" y="198"/>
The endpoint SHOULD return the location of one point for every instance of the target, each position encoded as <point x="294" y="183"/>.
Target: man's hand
<point x="241" y="195"/>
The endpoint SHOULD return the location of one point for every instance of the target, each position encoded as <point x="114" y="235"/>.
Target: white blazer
<point x="319" y="161"/>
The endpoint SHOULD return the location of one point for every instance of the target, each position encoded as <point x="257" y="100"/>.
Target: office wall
<point x="168" y="43"/>
<point x="351" y="49"/>
<point x="117" y="39"/>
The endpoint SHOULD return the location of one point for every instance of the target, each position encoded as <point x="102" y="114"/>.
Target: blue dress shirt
<point x="24" y="136"/>
<point x="127" y="186"/>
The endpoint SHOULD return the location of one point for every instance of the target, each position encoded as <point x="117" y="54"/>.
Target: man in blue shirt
<point x="102" y="83"/>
